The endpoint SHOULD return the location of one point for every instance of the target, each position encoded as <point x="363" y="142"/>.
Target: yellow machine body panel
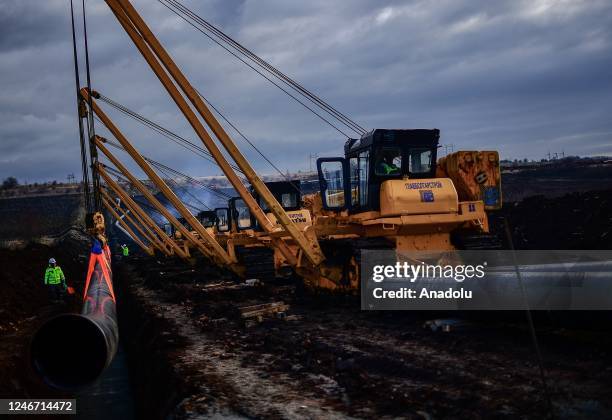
<point x="476" y="176"/>
<point x="300" y="217"/>
<point x="418" y="196"/>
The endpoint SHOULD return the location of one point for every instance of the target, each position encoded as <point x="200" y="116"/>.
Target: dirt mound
<point x="574" y="221"/>
<point x="24" y="304"/>
<point x="23" y="271"/>
<point x="32" y="217"/>
<point x="555" y="180"/>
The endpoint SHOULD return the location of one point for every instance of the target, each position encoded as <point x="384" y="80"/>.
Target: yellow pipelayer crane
<point x="387" y="191"/>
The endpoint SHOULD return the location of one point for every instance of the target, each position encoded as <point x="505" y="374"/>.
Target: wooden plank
<point x="263" y="309"/>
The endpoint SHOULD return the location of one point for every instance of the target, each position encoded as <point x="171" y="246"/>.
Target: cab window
<point x="354" y="173"/>
<point x="388" y="162"/>
<point x="364" y="175"/>
<point x="243" y="214"/>
<point x="263" y="204"/>
<point x="289" y="200"/>
<point x="208" y="220"/>
<point x="223" y="223"/>
<point x="332" y="173"/>
<point x="419" y="161"/>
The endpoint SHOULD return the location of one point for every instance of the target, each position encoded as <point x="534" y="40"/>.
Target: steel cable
<point x="257" y="71"/>
<point x="160" y="165"/>
<point x="342" y="118"/>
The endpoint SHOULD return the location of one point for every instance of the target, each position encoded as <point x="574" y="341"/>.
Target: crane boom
<point x="128" y="229"/>
<point x="163" y="246"/>
<point x="153" y="241"/>
<point x="213" y="248"/>
<point x="154" y="54"/>
<point x="150" y="222"/>
<point x="151" y="198"/>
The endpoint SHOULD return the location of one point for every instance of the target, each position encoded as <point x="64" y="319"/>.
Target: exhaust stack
<point x="72" y="350"/>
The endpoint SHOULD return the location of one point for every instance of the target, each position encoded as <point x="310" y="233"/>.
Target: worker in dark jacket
<point x="55" y="280"/>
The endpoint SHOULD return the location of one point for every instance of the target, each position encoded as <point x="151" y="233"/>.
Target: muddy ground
<point x="190" y="353"/>
<point x="193" y="354"/>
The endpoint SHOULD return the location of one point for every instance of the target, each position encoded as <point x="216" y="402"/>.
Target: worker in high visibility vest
<point x="125" y="251"/>
<point x="55" y="280"/>
<point x="387" y="165"/>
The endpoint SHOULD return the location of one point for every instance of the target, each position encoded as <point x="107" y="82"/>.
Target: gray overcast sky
<point x="522" y="77"/>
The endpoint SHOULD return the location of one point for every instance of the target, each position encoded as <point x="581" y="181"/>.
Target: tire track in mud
<point x="223" y="383"/>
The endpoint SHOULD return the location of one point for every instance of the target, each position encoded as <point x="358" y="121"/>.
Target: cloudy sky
<point x="522" y="77"/>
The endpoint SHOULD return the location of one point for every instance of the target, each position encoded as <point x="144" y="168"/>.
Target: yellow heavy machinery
<point x="388" y="191"/>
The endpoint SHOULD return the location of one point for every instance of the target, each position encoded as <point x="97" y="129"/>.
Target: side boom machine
<point x="388" y="191"/>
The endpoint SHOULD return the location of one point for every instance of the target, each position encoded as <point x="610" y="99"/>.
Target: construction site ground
<point x="191" y="352"/>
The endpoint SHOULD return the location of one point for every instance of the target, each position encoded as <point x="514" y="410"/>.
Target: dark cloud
<point x="24" y="24"/>
<point x="523" y="77"/>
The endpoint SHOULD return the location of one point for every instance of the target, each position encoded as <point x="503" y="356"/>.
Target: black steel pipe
<point x="72" y="350"/>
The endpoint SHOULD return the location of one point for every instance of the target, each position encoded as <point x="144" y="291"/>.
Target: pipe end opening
<point x="69" y="351"/>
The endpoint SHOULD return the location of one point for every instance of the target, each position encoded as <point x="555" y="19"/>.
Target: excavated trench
<point x="26" y="307"/>
<point x="148" y="351"/>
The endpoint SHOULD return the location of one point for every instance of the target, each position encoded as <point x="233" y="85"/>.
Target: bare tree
<point x="10" y="182"/>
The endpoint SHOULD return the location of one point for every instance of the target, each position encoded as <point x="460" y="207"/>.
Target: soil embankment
<point x="25" y="304"/>
<point x="573" y="221"/>
<point x="34" y="229"/>
<point x="555" y="180"/>
<point x="32" y="219"/>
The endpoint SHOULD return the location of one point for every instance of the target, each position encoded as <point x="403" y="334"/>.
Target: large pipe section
<point x="72" y="350"/>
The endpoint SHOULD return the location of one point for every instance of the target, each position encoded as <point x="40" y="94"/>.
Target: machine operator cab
<point x="354" y="182"/>
<point x="207" y="218"/>
<point x="172" y="231"/>
<point x="238" y="217"/>
<point x="168" y="229"/>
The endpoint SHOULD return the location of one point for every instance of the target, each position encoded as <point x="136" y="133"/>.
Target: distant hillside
<point x="32" y="217"/>
<point x="555" y="181"/>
